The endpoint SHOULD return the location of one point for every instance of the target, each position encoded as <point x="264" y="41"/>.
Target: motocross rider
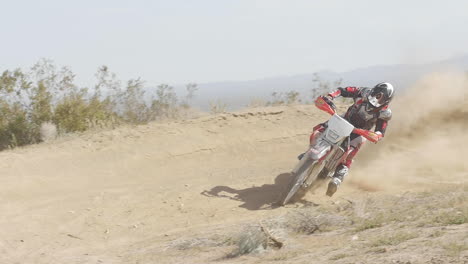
<point x="370" y="108"/>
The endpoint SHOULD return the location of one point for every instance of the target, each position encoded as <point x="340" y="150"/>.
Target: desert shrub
<point x="374" y="222"/>
<point x="164" y="105"/>
<point x="135" y="109"/>
<point x="392" y="239"/>
<point x="190" y="88"/>
<point x="196" y="242"/>
<point x="15" y="126"/>
<point x="217" y="107"/>
<point x="455" y="248"/>
<point x="252" y="239"/>
<point x="321" y="86"/>
<point x="46" y="96"/>
<point x="451" y="218"/>
<point x="15" y="129"/>
<point x="256" y="102"/>
<point x="100" y="113"/>
<point x="41" y="104"/>
<point x="304" y="222"/>
<point x="339" y="256"/>
<point x="288" y="98"/>
<point x="71" y="113"/>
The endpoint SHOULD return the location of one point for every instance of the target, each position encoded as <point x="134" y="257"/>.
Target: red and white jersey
<point x="361" y="114"/>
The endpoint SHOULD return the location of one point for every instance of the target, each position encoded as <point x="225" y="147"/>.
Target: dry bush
<point x="190" y="243"/>
<point x="392" y="239"/>
<point x="320" y="86"/>
<point x="455" y="248"/>
<point x="374" y="222"/>
<point x="308" y="221"/>
<point x="339" y="256"/>
<point x="47" y="94"/>
<point x="391" y="213"/>
<point x="288" y="98"/>
<point x="218" y="107"/>
<point x="271" y="232"/>
<point x="15" y="127"/>
<point x="250" y="240"/>
<point x="256" y="102"/>
<point x="165" y="104"/>
<point x="451" y="217"/>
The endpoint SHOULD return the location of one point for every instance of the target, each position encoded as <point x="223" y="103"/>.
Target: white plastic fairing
<point x="338" y="128"/>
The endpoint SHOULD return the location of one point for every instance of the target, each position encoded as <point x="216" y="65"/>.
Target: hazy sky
<point x="178" y="41"/>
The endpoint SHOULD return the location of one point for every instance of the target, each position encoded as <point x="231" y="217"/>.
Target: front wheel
<point x="299" y="176"/>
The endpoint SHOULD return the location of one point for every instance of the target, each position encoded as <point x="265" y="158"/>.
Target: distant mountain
<point x="237" y="94"/>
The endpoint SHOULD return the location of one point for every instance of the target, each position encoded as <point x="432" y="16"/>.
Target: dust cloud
<point x="424" y="145"/>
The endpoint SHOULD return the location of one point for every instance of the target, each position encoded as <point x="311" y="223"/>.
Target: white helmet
<point x="381" y="95"/>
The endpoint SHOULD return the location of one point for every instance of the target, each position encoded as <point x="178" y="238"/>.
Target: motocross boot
<point x="340" y="172"/>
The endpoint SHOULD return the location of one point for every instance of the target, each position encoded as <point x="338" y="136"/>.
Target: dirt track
<point x="123" y="196"/>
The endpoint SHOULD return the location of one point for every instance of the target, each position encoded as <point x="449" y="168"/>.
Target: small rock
<point x="355" y="237"/>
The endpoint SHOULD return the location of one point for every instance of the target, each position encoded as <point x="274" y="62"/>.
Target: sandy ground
<point x="123" y="196"/>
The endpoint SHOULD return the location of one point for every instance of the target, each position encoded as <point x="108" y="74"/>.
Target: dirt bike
<point x="329" y="150"/>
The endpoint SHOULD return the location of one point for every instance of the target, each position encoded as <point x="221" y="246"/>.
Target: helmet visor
<point x="376" y="99"/>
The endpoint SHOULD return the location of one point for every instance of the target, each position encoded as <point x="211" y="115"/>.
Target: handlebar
<point x="328" y="106"/>
<point x="329" y="102"/>
<point x="323" y="104"/>
<point x="369" y="135"/>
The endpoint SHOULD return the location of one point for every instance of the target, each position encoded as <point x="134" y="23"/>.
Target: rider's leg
<point x="342" y="169"/>
<point x="318" y="129"/>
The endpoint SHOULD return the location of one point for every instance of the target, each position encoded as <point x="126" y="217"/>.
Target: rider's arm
<point x="346" y="92"/>
<point x="381" y="126"/>
<point x="382" y="122"/>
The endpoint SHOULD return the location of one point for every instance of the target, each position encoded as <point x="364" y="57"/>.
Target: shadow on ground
<point x="254" y="198"/>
